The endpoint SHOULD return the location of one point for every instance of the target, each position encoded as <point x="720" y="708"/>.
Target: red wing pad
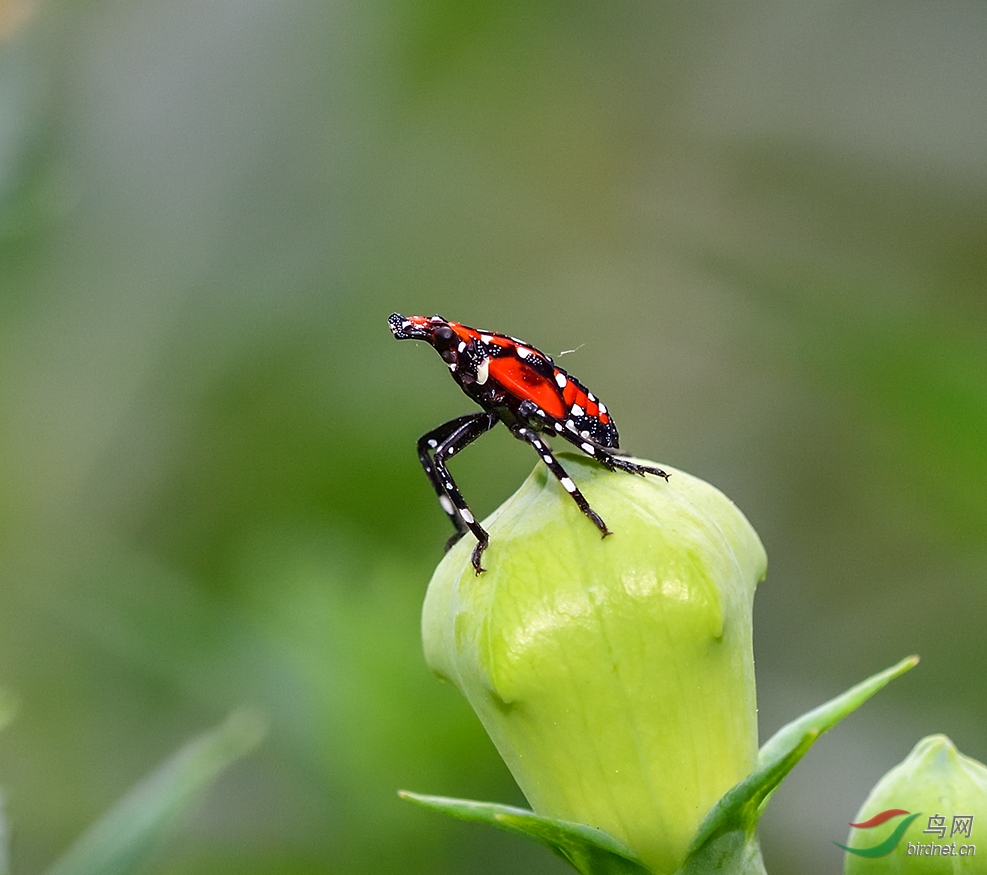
<point x="524" y="382"/>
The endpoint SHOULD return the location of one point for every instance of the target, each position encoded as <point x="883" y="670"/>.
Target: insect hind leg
<point x="616" y="462"/>
<point x="607" y="458"/>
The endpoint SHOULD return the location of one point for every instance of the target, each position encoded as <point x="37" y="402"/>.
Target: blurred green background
<point x="762" y="224"/>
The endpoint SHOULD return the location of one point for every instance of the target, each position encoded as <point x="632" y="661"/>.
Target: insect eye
<point x="443" y="337"/>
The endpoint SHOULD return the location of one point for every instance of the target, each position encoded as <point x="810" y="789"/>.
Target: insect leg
<point x="526" y="434"/>
<point x="454" y="437"/>
<point x="427" y="444"/>
<point x="608" y="459"/>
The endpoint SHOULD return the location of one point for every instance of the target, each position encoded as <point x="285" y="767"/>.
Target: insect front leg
<point x="434" y="449"/>
<point x="531" y="437"/>
<point x="429" y="442"/>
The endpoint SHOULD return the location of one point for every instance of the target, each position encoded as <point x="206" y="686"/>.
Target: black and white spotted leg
<point x="434" y="449"/>
<point x="608" y="459"/>
<point x="526" y="434"/>
<point x="429" y="442"/>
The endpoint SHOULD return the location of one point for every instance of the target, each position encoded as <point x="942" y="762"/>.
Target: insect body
<point x="522" y="387"/>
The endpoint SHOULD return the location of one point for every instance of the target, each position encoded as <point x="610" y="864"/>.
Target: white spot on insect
<point x="576" y="410"/>
<point x="558" y="426"/>
<point x="466" y="515"/>
<point x="567" y="484"/>
<point x="522" y="431"/>
<point x="433" y="443"/>
<point x="603" y="407"/>
<point x="523" y="352"/>
<point x="588" y="448"/>
<point x="540" y="412"/>
<point x="584" y="434"/>
<point x="406" y="323"/>
<point x="447" y="505"/>
<point x="547" y="458"/>
<point x="450" y="451"/>
<point x="560" y="379"/>
<point x="452" y="366"/>
<point x="591" y="396"/>
<point x="486" y="338"/>
<point x="462" y="346"/>
<point x="483" y="371"/>
<point x="569" y="424"/>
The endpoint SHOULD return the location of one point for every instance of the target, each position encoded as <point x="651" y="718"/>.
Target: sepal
<point x="590" y="851"/>
<point x="740" y="808"/>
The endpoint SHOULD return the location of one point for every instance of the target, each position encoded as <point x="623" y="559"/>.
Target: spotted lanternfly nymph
<point x="522" y="387"/>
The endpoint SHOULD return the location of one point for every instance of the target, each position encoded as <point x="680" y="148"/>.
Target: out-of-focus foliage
<point x="123" y="839"/>
<point x="761" y="224"/>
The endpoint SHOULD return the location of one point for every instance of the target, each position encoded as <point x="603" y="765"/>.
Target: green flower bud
<point x="616" y="675"/>
<point x="942" y="825"/>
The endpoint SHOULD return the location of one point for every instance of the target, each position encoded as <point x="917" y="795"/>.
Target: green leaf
<point x="132" y="829"/>
<point x="740" y="808"/>
<point x="590" y="851"/>
<point x="729" y="853"/>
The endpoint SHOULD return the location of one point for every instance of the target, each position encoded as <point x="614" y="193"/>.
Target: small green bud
<point x="948" y="793"/>
<point x="616" y="675"/>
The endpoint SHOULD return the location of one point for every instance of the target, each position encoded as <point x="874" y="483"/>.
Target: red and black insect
<point x="522" y="387"/>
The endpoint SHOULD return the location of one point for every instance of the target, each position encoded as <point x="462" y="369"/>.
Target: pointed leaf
<point x="133" y="828"/>
<point x="590" y="851"/>
<point x="741" y="807"/>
